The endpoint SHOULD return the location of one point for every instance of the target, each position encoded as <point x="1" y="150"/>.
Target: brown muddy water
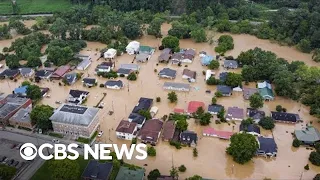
<point x="212" y="161"/>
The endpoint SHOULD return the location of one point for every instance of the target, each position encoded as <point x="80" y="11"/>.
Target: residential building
<point x="89" y="82"/>
<point x="112" y="84"/>
<point x="223" y="76"/>
<point x="138" y="119"/>
<point x="146" y="50"/>
<point x="75" y="120"/>
<point x="176" y="86"/>
<point x="77" y="97"/>
<point x="176" y="58"/>
<point x="216" y="133"/>
<point x="26" y="72"/>
<point x="21" y="91"/>
<point x="209" y="74"/>
<point x="266" y="93"/>
<point x="225" y="90"/>
<point x="184" y="56"/>
<point x="167" y="73"/>
<point x="237" y="89"/>
<point x="126" y="173"/>
<point x="247" y="92"/>
<point x="104" y="67"/>
<point x="165" y="177"/>
<point x="230" y="64"/>
<point x="267" y="147"/>
<point x="9" y="73"/>
<point x="110" y="53"/>
<point x="214" y="109"/>
<point x="43" y="74"/>
<point x="194" y="105"/>
<point x="252" y="129"/>
<point x="125" y="72"/>
<point x="60" y="72"/>
<point x="165" y="55"/>
<point x="285" y="117"/>
<point x="308" y="135"/>
<point x="150" y="132"/>
<point x="133" y="67"/>
<point x="142" y="57"/>
<point x="84" y="64"/>
<point x="168" y="130"/>
<point x="189" y="75"/>
<point x="133" y="47"/>
<point x="235" y="113"/>
<point x="143" y="104"/>
<point x="70" y="78"/>
<point x="206" y="60"/>
<point x="178" y="110"/>
<point x="202" y="54"/>
<point x="189" y="138"/>
<point x="264" y="84"/>
<point x="255" y="114"/>
<point x="10" y="105"/>
<point x="22" y="118"/>
<point x="97" y="171"/>
<point x="126" y="130"/>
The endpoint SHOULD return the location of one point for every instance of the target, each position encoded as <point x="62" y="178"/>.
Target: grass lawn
<point x="35" y="6"/>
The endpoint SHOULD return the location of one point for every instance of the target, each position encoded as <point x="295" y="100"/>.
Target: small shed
<point x="154" y="111"/>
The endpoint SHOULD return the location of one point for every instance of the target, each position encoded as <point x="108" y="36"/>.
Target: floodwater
<point x="212" y="161"/>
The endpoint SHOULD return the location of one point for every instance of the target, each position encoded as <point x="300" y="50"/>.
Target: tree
<point x="214" y="100"/>
<point x="279" y="108"/>
<point x="155" y="27"/>
<point x="316" y="55"/>
<point x="40" y="116"/>
<point x="174" y="173"/>
<point x="132" y="76"/>
<point x="314" y="158"/>
<point x="305" y="46"/>
<point x="145" y="113"/>
<point x="154" y="174"/>
<point x="182" y="168"/>
<point x="225" y="43"/>
<point x="171" y="42"/>
<point x="195" y="177"/>
<point x="151" y="151"/>
<point x="33" y="61"/>
<point x="59" y="28"/>
<point x="61" y="169"/>
<point x="296" y="143"/>
<point x="256" y="101"/>
<point x="205" y="119"/>
<point x="218" y="94"/>
<point x="195" y="152"/>
<point x="317" y="177"/>
<point x="198" y="35"/>
<point x="182" y="124"/>
<point x="267" y="123"/>
<point x="247" y="122"/>
<point x="306" y="167"/>
<point x="172" y="96"/>
<point x="12" y="61"/>
<point x="25" y="83"/>
<point x="243" y="147"/>
<point x="221" y="113"/>
<point x="233" y="80"/>
<point x="214" y="64"/>
<point x="131" y="28"/>
<point x="213" y="81"/>
<point x="7" y="172"/>
<point x="34" y="92"/>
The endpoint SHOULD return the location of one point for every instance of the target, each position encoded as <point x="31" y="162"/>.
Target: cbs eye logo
<point x="28" y="151"/>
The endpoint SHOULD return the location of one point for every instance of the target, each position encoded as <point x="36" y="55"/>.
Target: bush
<point x="134" y="141"/>
<point x="195" y="152"/>
<point x="306" y="167"/>
<point x="101" y="85"/>
<point x="296" y="143"/>
<point x="317" y="177"/>
<point x="151" y="151"/>
<point x="175" y="144"/>
<point x="56" y="135"/>
<point x="155" y="70"/>
<point x="122" y="75"/>
<point x="218" y="94"/>
<point x="158" y="99"/>
<point x="5" y="49"/>
<point x="182" y="168"/>
<point x="267" y="123"/>
<point x="278" y="108"/>
<point x="132" y="77"/>
<point x="204" y="73"/>
<point x="314" y="158"/>
<point x="284" y="110"/>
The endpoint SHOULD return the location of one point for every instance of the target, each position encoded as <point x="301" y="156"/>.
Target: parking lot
<point x="9" y="154"/>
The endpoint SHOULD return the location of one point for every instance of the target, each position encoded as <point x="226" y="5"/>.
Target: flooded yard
<point x="212" y="161"/>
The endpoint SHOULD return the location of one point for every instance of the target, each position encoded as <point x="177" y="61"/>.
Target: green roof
<point x="266" y="93"/>
<point x="146" y="49"/>
<point x="309" y="134"/>
<point x="126" y="174"/>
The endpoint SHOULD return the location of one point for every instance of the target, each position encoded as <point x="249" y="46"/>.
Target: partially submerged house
<point x="112" y="84"/>
<point x="126" y="130"/>
<point x="255" y="114"/>
<point x="235" y="113"/>
<point x="209" y="74"/>
<point x="85" y="63"/>
<point x="96" y="170"/>
<point x="168" y="130"/>
<point x="133" y="47"/>
<point x="104" y="67"/>
<point x="150" y="132"/>
<point x="214" y="109"/>
<point x="194" y="105"/>
<point x="143" y="104"/>
<point x="252" y="129"/>
<point x="9" y="73"/>
<point x="126" y="173"/>
<point x="89" y="82"/>
<point x="225" y="90"/>
<point x="77" y="97"/>
<point x="285" y="117"/>
<point x="267" y="147"/>
<point x="142" y="57"/>
<point x="230" y="64"/>
<point x="110" y="53"/>
<point x="146" y="50"/>
<point x="165" y="55"/>
<point x="265" y="90"/>
<point x="176" y="86"/>
<point x="167" y="73"/>
<point x="308" y="135"/>
<point x="43" y="74"/>
<point x="248" y="92"/>
<point x="211" y="132"/>
<point x="206" y="60"/>
<point x="264" y="84"/>
<point x="21" y="91"/>
<point x="26" y="72"/>
<point x="138" y="119"/>
<point x="60" y="72"/>
<point x="123" y="71"/>
<point x="133" y="67"/>
<point x="70" y="78"/>
<point x="189" y="75"/>
<point x="223" y="76"/>
<point x="184" y="56"/>
<point x="189" y="138"/>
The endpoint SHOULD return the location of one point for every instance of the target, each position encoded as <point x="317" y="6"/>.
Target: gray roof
<point x="168" y="72"/>
<point x="308" y="134"/>
<point x="70" y="77"/>
<point x="176" y="85"/>
<point x="224" y="89"/>
<point x="124" y="71"/>
<point x="74" y="114"/>
<point x="23" y="115"/>
<point x="97" y="170"/>
<point x="25" y="71"/>
<point x="235" y="112"/>
<point x="142" y="57"/>
<point x="84" y="63"/>
<point x="133" y="67"/>
<point x="215" y="108"/>
<point x="12" y="103"/>
<point x="114" y="83"/>
<point x="230" y="64"/>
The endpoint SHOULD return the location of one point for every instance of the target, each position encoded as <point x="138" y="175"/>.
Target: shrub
<point x="175" y="144"/>
<point x="267" y="123"/>
<point x="155" y="70"/>
<point x="314" y="158"/>
<point x="296" y="143"/>
<point x="195" y="152"/>
<point x="132" y="77"/>
<point x="158" y="99"/>
<point x="204" y="73"/>
<point x="151" y="151"/>
<point x="306" y="167"/>
<point x="284" y="110"/>
<point x="218" y="94"/>
<point x="5" y="49"/>
<point x="182" y="168"/>
<point x="122" y="75"/>
<point x="278" y="108"/>
<point x="101" y="85"/>
<point x="317" y="177"/>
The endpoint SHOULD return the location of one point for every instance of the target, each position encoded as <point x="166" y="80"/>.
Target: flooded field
<point x="212" y="161"/>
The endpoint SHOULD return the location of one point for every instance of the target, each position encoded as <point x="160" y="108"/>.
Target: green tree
<point x="59" y="28"/>
<point x="172" y="96"/>
<point x="171" y="42"/>
<point x="214" y="64"/>
<point x="60" y="170"/>
<point x="182" y="124"/>
<point x="40" y="116"/>
<point x="256" y="101"/>
<point x="131" y="28"/>
<point x="205" y="119"/>
<point x="213" y="81"/>
<point x="33" y="61"/>
<point x="151" y="151"/>
<point x="145" y="113"/>
<point x="12" y="61"/>
<point x="225" y="43"/>
<point x="296" y="143"/>
<point x="34" y="92"/>
<point x="25" y="83"/>
<point x="243" y="147"/>
<point x="182" y="168"/>
<point x="195" y="177"/>
<point x="305" y="46"/>
<point x="214" y="100"/>
<point x="155" y="27"/>
<point x="267" y="123"/>
<point x="154" y="174"/>
<point x="199" y="35"/>
<point x="132" y="77"/>
<point x="174" y="173"/>
<point x="233" y="79"/>
<point x="195" y="152"/>
<point x="316" y="55"/>
<point x="7" y="172"/>
<point x="218" y="94"/>
<point x="279" y="108"/>
<point x="314" y="158"/>
<point x="221" y="113"/>
<point x="317" y="177"/>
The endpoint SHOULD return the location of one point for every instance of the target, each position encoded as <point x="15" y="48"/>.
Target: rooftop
<point x="23" y="115"/>
<point x="168" y="130"/>
<point x="267" y="145"/>
<point x="168" y="72"/>
<point x="97" y="170"/>
<point x="308" y="134"/>
<point x="126" y="127"/>
<point x="194" y="105"/>
<point x="215" y="108"/>
<point x="283" y="116"/>
<point x="128" y="174"/>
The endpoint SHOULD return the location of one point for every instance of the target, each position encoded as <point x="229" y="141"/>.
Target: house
<point x="225" y="90"/>
<point x="252" y="129"/>
<point x="176" y="86"/>
<point x="206" y="60"/>
<point x="235" y="113"/>
<point x="167" y="73"/>
<point x="84" y="64"/>
<point x="194" y="105"/>
<point x="223" y="76"/>
<point x="126" y="130"/>
<point x="89" y="82"/>
<point x="10" y="105"/>
<point x="165" y="177"/>
<point x="126" y="173"/>
<point x="138" y="119"/>
<point x="216" y="133"/>
<point x="70" y="78"/>
<point x="267" y="147"/>
<point x="133" y="67"/>
<point x="285" y="117"/>
<point x="125" y="72"/>
<point x="9" y="73"/>
<point x="142" y="57"/>
<point x="104" y="67"/>
<point x="209" y="74"/>
<point x="26" y="72"/>
<point x="133" y="47"/>
<point x="189" y="138"/>
<point x="264" y="84"/>
<point x="165" y="55"/>
<point x="44" y="91"/>
<point x="43" y="74"/>
<point x="214" y="109"/>
<point x="110" y="53"/>
<point x="150" y="132"/>
<point x="168" y="130"/>
<point x="230" y="64"/>
<point x="77" y="97"/>
<point x="21" y="91"/>
<point x="96" y="170"/>
<point x="178" y="111"/>
<point x="308" y="135"/>
<point x="266" y="93"/>
<point x="190" y="75"/>
<point x="247" y="92"/>
<point x="237" y="89"/>
<point x="146" y="50"/>
<point x="255" y="114"/>
<point x="176" y="58"/>
<point x="188" y="55"/>
<point x="111" y="84"/>
<point x="143" y="104"/>
<point x="22" y="118"/>
<point x="60" y="72"/>
<point x="154" y="111"/>
<point x="202" y="54"/>
<point x="76" y="120"/>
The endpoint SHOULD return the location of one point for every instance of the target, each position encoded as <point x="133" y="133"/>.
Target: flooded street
<point x="212" y="161"/>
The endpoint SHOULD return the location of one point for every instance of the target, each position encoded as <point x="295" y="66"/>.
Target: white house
<point x="77" y="97"/>
<point x="126" y="130"/>
<point x="133" y="47"/>
<point x="110" y="54"/>
<point x="190" y="75"/>
<point x="114" y="84"/>
<point x="209" y="74"/>
<point x="176" y="86"/>
<point x="26" y="72"/>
